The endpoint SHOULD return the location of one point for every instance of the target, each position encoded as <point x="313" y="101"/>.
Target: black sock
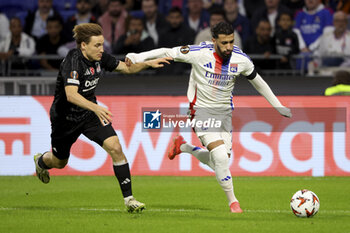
<point x="42" y="164"/>
<point x="122" y="172"/>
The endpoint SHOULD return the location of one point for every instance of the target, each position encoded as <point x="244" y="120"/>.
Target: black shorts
<point x="65" y="133"/>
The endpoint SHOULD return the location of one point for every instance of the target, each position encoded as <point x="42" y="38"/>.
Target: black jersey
<point x="286" y="42"/>
<point x="76" y="70"/>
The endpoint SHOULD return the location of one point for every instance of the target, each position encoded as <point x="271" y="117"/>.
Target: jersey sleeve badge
<point x="73" y="79"/>
<point x="184" y="49"/>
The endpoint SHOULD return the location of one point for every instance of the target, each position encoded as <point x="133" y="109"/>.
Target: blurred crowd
<point x="315" y="30"/>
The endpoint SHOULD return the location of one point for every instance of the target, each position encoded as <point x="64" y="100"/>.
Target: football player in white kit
<point x="215" y="67"/>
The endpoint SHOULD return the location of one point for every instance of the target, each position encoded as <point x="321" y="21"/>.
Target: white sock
<point x="202" y="155"/>
<point x="222" y="171"/>
<point x="231" y="197"/>
<point x="119" y="163"/>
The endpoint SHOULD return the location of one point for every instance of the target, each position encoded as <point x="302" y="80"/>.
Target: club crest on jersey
<point x="233" y="67"/>
<point x="74" y="75"/>
<point x="184" y="49"/>
<point x="92" y="70"/>
<point x="317" y="19"/>
<point x="98" y="67"/>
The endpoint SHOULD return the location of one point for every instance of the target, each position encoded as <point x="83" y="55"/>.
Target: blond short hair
<point x="83" y="32"/>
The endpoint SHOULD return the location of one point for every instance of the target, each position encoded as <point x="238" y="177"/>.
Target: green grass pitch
<point x="174" y="204"/>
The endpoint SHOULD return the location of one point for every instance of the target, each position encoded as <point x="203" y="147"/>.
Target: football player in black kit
<point x="74" y="110"/>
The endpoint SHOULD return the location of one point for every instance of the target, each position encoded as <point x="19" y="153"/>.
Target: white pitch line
<point x="171" y="210"/>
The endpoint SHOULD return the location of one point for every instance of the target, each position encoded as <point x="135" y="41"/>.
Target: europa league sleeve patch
<point x="184" y="49"/>
<point x="73" y="78"/>
<point x="74" y="75"/>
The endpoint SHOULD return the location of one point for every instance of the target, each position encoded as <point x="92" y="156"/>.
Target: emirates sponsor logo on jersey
<point x="218" y="76"/>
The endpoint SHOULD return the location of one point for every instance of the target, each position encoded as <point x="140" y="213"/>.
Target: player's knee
<point x="219" y="156"/>
<point x="222" y="161"/>
<point x="115" y="149"/>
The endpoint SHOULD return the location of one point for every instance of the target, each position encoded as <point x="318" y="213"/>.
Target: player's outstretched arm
<point x="261" y="86"/>
<point x="152" y="54"/>
<point x="129" y="68"/>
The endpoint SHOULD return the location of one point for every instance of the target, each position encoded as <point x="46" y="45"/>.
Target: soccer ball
<point x="305" y="203"/>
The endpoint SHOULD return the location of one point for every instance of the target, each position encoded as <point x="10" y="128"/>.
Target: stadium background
<point x="25" y="126"/>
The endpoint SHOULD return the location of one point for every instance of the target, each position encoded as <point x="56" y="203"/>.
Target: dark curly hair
<point x="222" y="28"/>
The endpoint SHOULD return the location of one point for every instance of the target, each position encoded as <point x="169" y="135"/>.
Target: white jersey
<point x="212" y="79"/>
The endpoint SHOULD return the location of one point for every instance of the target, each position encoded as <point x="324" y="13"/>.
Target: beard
<point x="222" y="54"/>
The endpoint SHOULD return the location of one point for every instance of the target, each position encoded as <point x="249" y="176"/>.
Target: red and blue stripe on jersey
<point x="221" y="65"/>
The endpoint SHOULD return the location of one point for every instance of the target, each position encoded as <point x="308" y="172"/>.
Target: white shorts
<point x="224" y="132"/>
